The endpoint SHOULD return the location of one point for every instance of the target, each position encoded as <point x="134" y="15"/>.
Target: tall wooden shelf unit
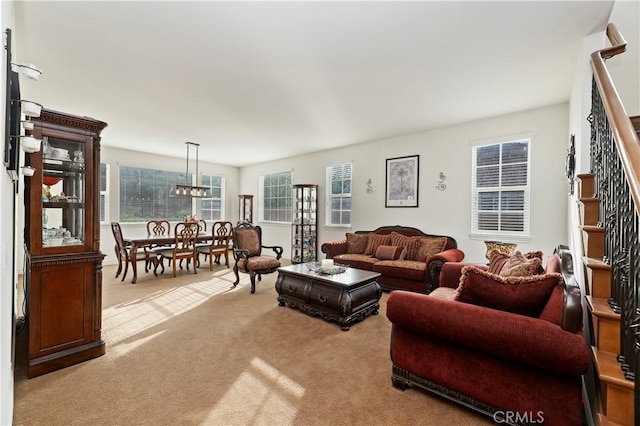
<point x="63" y="265"/>
<point x="304" y="232"/>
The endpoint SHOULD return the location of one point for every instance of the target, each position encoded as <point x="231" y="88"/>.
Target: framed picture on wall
<point x="402" y="181"/>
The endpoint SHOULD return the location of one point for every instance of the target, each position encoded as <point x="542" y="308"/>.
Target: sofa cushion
<point x="407" y="269"/>
<point x="357" y="243"/>
<point x="411" y="244"/>
<point x="390" y="253"/>
<point x="376" y="240"/>
<point x="445" y="293"/>
<point x="519" y="266"/>
<point x="429" y="246"/>
<point x="497" y="260"/>
<point x="520" y="295"/>
<point x="354" y="260"/>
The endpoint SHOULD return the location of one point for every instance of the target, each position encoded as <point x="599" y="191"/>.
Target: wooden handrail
<point x="624" y="134"/>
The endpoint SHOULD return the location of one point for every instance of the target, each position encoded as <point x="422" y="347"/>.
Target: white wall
<point x="444" y="150"/>
<point x="8" y="273"/>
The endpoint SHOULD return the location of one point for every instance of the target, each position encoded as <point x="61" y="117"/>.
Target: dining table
<point x="147" y="240"/>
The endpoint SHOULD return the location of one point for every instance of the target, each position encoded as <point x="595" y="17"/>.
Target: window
<point x="104" y="193"/>
<point x="501" y="188"/>
<point x="213" y="207"/>
<point x="144" y="195"/>
<point x="275" y="197"/>
<point x="339" y="195"/>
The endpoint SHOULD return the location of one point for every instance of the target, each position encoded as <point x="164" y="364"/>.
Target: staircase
<point x="608" y="201"/>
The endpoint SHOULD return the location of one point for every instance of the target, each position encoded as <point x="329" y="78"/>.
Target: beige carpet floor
<point x="194" y="350"/>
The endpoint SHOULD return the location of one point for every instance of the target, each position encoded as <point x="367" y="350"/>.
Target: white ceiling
<point x="257" y="81"/>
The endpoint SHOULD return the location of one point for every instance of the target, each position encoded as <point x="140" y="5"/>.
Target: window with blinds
<point x="104" y="193"/>
<point x="144" y="195"/>
<point x="212" y="208"/>
<point x="338" y="202"/>
<point x="501" y="188"/>
<point x="275" y="197"/>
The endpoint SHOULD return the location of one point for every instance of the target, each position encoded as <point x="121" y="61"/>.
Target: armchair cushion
<point x="249" y="240"/>
<point x="258" y="263"/>
<point x="390" y="253"/>
<point x="520" y="295"/>
<point x="357" y="243"/>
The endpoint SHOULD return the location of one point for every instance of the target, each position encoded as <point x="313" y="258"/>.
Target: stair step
<point x="589" y="210"/>
<point x="586" y="187"/>
<point x="594" y="242"/>
<point x="636" y="123"/>
<point x="603" y="421"/>
<point x="599" y="277"/>
<point x="606" y="325"/>
<point x="616" y="391"/>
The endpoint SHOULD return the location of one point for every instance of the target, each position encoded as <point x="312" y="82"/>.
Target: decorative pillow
<point x="533" y="255"/>
<point x="429" y="246"/>
<point x="520" y="295"/>
<point x="497" y="260"/>
<point x="411" y="244"/>
<point x="519" y="266"/>
<point x="376" y="240"/>
<point x="390" y="253"/>
<point x="357" y="243"/>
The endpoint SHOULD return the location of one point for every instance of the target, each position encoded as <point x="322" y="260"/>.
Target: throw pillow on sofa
<point x="411" y="244"/>
<point x="429" y="246"/>
<point x="519" y="295"/>
<point x="520" y="266"/>
<point x="390" y="253"/>
<point x="376" y="240"/>
<point x="357" y="243"/>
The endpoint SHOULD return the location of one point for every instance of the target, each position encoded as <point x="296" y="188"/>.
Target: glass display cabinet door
<point x="63" y="192"/>
<point x="304" y="226"/>
<point x="245" y="213"/>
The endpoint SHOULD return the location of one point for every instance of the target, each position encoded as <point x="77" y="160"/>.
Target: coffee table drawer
<point x="325" y="297"/>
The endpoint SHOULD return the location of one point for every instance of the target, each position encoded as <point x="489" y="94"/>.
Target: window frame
<point x="221" y="198"/>
<point x="503" y="235"/>
<point x="105" y="194"/>
<point x="330" y="196"/>
<point x="287" y="198"/>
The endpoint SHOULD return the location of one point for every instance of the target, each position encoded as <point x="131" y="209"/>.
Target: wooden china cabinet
<point x="63" y="262"/>
<point x="245" y="208"/>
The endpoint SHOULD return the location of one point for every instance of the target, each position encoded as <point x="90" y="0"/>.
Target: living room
<point x="445" y="150"/>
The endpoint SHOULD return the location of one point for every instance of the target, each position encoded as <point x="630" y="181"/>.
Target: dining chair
<point x="155" y="227"/>
<point x="123" y="251"/>
<point x="221" y="233"/>
<point x="185" y="236"/>
<point x="247" y="252"/>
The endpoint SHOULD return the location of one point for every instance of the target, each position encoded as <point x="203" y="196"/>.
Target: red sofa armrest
<point x="436" y="262"/>
<point x="334" y="248"/>
<point x="524" y="339"/>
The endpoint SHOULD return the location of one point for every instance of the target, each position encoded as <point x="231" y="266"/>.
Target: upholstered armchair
<point x="247" y="252"/>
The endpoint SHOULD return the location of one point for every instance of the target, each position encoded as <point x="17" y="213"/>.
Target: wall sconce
<point x="188" y="190"/>
<point x="369" y="189"/>
<point x="441" y="186"/>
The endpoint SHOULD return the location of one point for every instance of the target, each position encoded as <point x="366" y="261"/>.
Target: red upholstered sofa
<point x="517" y="368"/>
<point x="418" y="267"/>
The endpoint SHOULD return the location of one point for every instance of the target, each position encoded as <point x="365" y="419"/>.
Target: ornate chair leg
<point x="253" y="282"/>
<point x="235" y="271"/>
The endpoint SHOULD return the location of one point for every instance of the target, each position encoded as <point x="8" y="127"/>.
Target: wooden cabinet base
<point x="67" y="358"/>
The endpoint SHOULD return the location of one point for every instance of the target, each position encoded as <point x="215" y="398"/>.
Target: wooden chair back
<point x="158" y="227"/>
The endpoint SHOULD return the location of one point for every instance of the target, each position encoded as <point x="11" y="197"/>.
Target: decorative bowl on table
<point x="317" y="267"/>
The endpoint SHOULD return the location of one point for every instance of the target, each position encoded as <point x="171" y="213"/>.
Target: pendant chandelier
<point x="188" y="190"/>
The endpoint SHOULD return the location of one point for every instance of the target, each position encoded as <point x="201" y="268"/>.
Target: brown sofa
<point x="406" y="258"/>
<point x="517" y="368"/>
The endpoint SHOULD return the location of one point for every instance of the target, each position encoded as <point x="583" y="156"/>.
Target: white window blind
<point x="338" y="195"/>
<point x="275" y="197"/>
<point x="500" y="203"/>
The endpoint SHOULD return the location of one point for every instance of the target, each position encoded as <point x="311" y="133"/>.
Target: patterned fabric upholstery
<point x="248" y="240"/>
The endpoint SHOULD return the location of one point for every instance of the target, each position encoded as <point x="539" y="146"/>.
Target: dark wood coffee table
<point x="344" y="298"/>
